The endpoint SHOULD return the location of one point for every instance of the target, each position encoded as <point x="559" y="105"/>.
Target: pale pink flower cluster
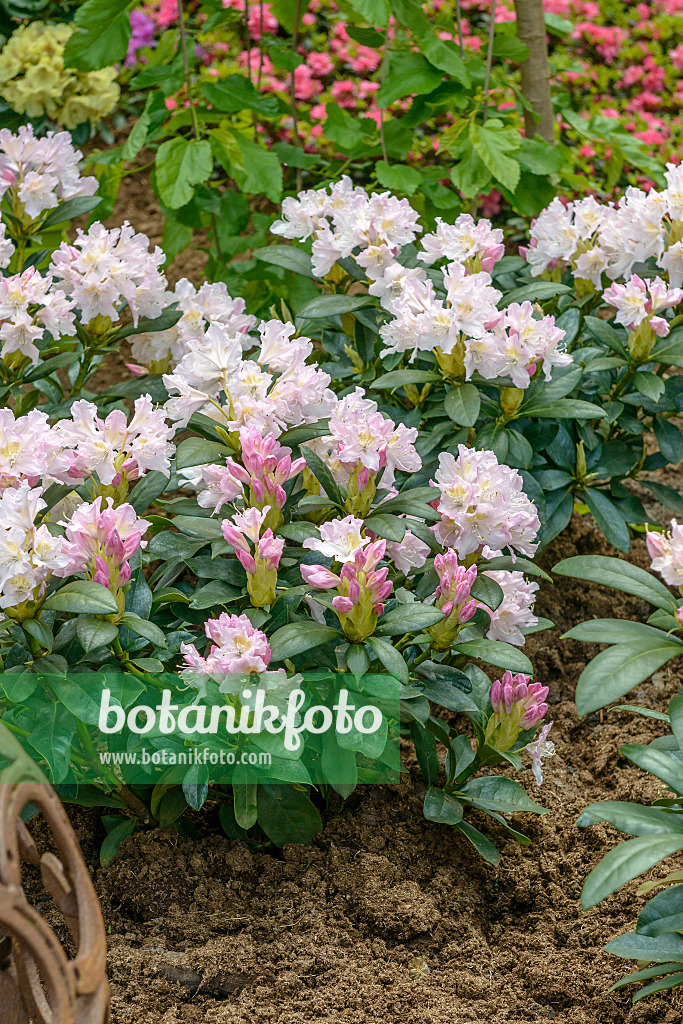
<point x="666" y="552"/>
<point x="41" y="171"/>
<point x="515" y="345"/>
<point x="29" y="554"/>
<point x="100" y="541"/>
<point x="612" y="238"/>
<point x="32" y="450"/>
<point x="243" y="531"/>
<point x="209" y="304"/>
<point x="465" y="239"/>
<point x="345" y="219"/>
<point x="517" y="693"/>
<point x="362" y="441"/>
<point x="214" y="378"/>
<point x="105" y="268"/>
<point x="424" y="322"/>
<point x="483" y="506"/>
<point x="6" y="248"/>
<point x="266" y="466"/>
<point x="561" y="230"/>
<point x="30" y="305"/>
<point x="515" y="612"/>
<point x="114" y="448"/>
<point x="237" y="647"/>
<point x="639" y="300"/>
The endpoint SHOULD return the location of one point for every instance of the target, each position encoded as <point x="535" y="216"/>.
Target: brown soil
<point x="386" y="917"/>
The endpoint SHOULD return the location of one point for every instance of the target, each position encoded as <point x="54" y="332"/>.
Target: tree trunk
<point x="535" y="71"/>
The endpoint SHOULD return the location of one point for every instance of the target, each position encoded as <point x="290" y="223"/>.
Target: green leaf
<point x="537" y="291"/>
<point x="625" y="862"/>
<point x="213" y="594"/>
<point x="493" y="143"/>
<point x="676" y="717"/>
<point x="664" y="913"/>
<point x="100" y="39"/>
<point x="236" y="93"/>
<point x="392" y="659"/>
<point x="83" y="596"/>
<point x="496" y="652"/>
<point x="287" y="815"/>
<point x="408" y="618"/>
<point x="488" y="591"/>
<point x="286" y="256"/>
<point x="399" y="378"/>
<point x="617" y="573"/>
<point x="387" y="526"/>
<point x="349" y="133"/>
<point x="566" y="409"/>
<point x="375" y="12"/>
<point x="482" y="845"/>
<point x="445" y="56"/>
<point x="407" y="73"/>
<point x="658" y="762"/>
<point x="110" y="846"/>
<point x="144" y="628"/>
<point x="442" y="807"/>
<point x="325" y="306"/>
<point x="75" y="207"/>
<point x="322" y="474"/>
<point x="51" y="737"/>
<point x="398" y="177"/>
<point x="609" y="518"/>
<point x="667" y="496"/>
<point x="297" y="637"/>
<point x="260" y="171"/>
<point x="245" y="794"/>
<point x="491" y="793"/>
<point x="196" y="451"/>
<point x="616" y="631"/>
<point x="462" y="405"/>
<point x="634" y="819"/>
<point x="180" y="165"/>
<point x="612" y="673"/>
<point x="657" y="949"/>
<point x="93" y="633"/>
<point x="669" y="439"/>
<point x="138" y="133"/>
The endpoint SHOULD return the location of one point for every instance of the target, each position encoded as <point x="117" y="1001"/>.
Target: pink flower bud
<point x="354" y="590"/>
<point x="533" y="715"/>
<point x="258" y="489"/>
<point x="319" y="576"/>
<point x="447" y="608"/>
<point x="467" y="611"/>
<point x="246" y="560"/>
<point x="136" y="370"/>
<point x="124" y="574"/>
<point x="496" y="695"/>
<point x="101" y="574"/>
<point x="234" y="536"/>
<point x="280" y="496"/>
<point x="363" y="478"/>
<point x="343" y="605"/>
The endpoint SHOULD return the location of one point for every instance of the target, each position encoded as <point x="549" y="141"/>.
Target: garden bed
<point x="386" y="917"/>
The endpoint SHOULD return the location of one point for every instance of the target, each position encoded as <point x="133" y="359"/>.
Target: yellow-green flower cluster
<point x="34" y="81"/>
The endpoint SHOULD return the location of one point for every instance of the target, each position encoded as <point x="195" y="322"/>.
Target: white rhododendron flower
<point x="105" y="268"/>
<point x="483" y="505"/>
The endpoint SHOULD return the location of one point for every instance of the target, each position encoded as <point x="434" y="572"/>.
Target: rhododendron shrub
<point x="225" y="523"/>
<point x="559" y="360"/>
